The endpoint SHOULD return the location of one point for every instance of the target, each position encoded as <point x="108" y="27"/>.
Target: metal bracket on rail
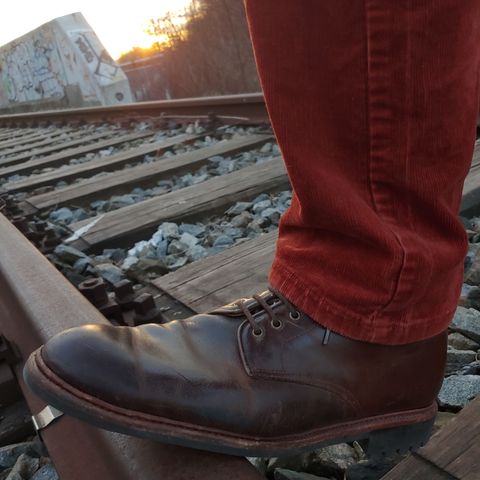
<point x="45" y="417"/>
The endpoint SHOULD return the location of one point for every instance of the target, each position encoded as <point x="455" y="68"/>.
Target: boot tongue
<point x="233" y="310"/>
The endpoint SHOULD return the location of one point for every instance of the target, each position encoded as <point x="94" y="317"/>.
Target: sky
<point x="119" y="24"/>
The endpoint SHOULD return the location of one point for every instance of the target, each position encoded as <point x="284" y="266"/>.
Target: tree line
<point x="203" y="50"/>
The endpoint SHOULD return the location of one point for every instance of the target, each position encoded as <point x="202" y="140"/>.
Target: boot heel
<point x="399" y="439"/>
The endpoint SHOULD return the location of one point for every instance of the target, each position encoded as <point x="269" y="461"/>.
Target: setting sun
<point x="120" y="26"/>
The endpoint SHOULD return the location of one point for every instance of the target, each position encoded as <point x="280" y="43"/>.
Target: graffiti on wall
<point x="32" y="70"/>
<point x="62" y="53"/>
<point x="75" y="72"/>
<point x="98" y="60"/>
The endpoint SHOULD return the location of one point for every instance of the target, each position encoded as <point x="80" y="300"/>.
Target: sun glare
<point x="129" y="25"/>
<point x="120" y="26"/>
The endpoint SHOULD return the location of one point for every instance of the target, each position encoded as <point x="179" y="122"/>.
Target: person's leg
<point x="374" y="105"/>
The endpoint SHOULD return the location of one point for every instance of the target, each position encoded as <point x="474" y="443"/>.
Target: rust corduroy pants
<point x="374" y="105"/>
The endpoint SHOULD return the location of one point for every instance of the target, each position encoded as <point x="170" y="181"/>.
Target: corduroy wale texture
<point x="374" y="105"/>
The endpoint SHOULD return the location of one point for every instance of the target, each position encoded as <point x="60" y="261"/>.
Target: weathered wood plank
<point x="11" y="142"/>
<point x="454" y="451"/>
<point x="144" y="176"/>
<point x="415" y="468"/>
<point x="41" y="141"/>
<point x="135" y="222"/>
<point x="456" y="447"/>
<point x="240" y="271"/>
<point x="53" y="148"/>
<point x="62" y="157"/>
<point x="113" y="162"/>
<point x="37" y="134"/>
<point x="7" y="133"/>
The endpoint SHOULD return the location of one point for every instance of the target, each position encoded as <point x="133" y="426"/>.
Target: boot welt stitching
<point x="356" y="426"/>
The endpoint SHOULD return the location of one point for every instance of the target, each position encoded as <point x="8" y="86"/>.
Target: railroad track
<point x="129" y="215"/>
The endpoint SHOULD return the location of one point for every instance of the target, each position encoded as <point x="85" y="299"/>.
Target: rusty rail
<point x="248" y="107"/>
<point x="36" y="303"/>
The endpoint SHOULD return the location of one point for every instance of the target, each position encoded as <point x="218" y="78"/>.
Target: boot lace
<point x="257" y="330"/>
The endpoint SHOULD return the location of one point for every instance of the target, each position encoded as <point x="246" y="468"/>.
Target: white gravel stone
<point x="188" y="239"/>
<point x="461" y="342"/>
<point x="456" y="359"/>
<point x="110" y="272"/>
<point x="129" y="262"/>
<point x="457" y="390"/>
<point x="260" y="206"/>
<point x="467" y="321"/>
<point x="169" y="230"/>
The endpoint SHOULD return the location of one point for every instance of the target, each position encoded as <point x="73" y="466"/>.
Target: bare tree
<point x="207" y="49"/>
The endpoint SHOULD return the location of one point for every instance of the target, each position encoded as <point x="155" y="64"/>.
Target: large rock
<point x="223" y="241"/>
<point x="115" y="254"/>
<point x="122" y="201"/>
<point x="10" y="453"/>
<point x="196" y="253"/>
<point x="472" y="265"/>
<point x="461" y="342"/>
<point x="467" y="321"/>
<point x="63" y="215"/>
<point x="79" y="214"/>
<point x="233" y="232"/>
<point x="110" y="272"/>
<point x="469" y="296"/>
<point x="150" y="265"/>
<point x="457" y="390"/>
<point x="333" y="460"/>
<point x="239" y="208"/>
<point x="139" y="249"/>
<point x="174" y="262"/>
<point x="177" y="247"/>
<point x="260" y="198"/>
<point x="260" y="206"/>
<point x="273" y="214"/>
<point x="24" y="467"/>
<point x="169" y="230"/>
<point x="188" y="239"/>
<point x="69" y="254"/>
<point x="196" y="230"/>
<point x="129" y="263"/>
<point x="161" y="249"/>
<point x="242" y="220"/>
<point x="47" y="472"/>
<point x="456" y="359"/>
<point x="471" y="369"/>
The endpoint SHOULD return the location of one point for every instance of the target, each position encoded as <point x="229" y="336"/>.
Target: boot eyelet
<point x="294" y="315"/>
<point x="276" y="324"/>
<point x="258" y="333"/>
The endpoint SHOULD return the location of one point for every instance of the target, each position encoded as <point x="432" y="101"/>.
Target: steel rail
<point x="36" y="302"/>
<point x="249" y="107"/>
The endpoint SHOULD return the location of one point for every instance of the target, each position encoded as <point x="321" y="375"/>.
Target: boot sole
<point x="396" y="432"/>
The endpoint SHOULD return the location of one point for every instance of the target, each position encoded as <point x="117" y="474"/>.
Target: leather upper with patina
<point x="263" y="377"/>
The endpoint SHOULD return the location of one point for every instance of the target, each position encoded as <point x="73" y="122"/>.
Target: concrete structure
<point x="147" y="78"/>
<point x="60" y="64"/>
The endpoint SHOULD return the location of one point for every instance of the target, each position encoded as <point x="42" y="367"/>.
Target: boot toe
<point x="92" y="358"/>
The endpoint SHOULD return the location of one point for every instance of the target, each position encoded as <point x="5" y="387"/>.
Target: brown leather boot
<point x="256" y="377"/>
